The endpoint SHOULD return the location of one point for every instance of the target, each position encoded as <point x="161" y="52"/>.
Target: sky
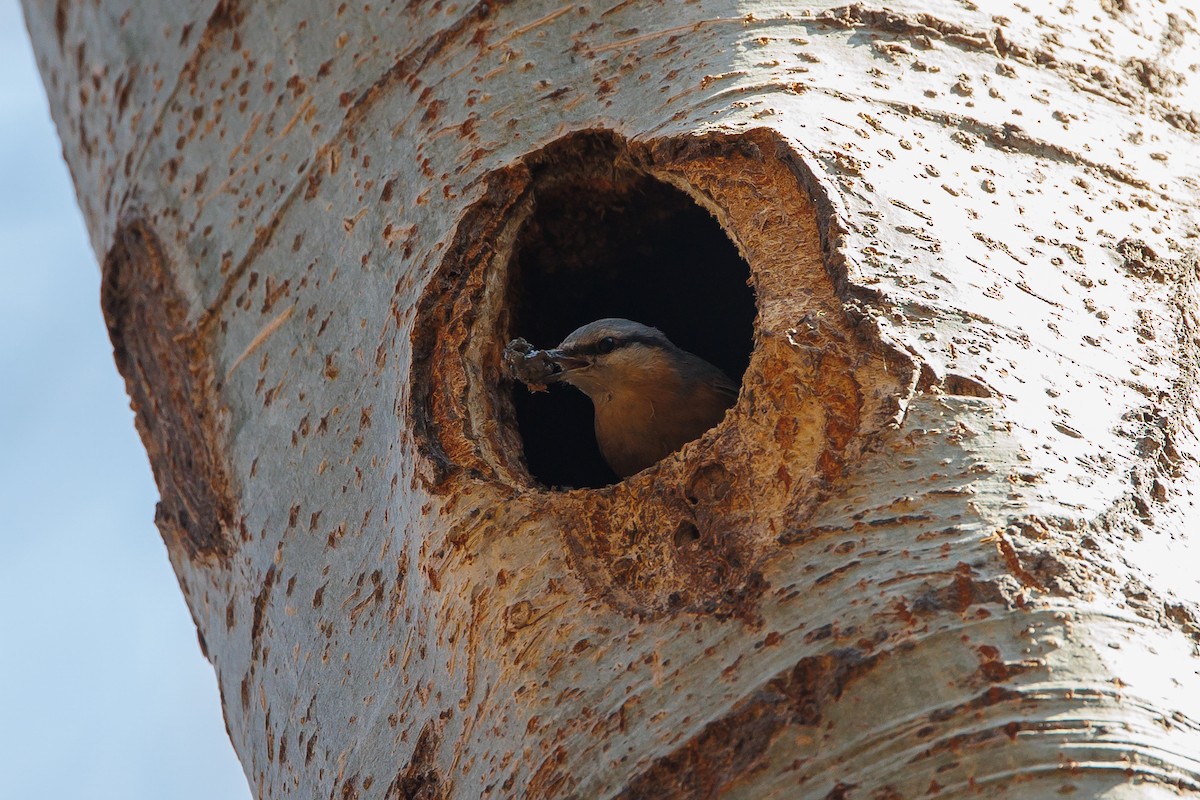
<point x="103" y="690"/>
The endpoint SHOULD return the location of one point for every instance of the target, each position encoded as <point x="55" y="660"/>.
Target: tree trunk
<point x="945" y="542"/>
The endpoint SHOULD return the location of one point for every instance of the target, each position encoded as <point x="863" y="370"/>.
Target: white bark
<point x="946" y="539"/>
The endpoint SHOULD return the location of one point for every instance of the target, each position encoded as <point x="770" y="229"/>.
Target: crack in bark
<point x="415" y="59"/>
<point x="1094" y="79"/>
<point x="261" y="600"/>
<point x="1012" y="137"/>
<point x="1013" y="561"/>
<point x="1158" y="430"/>
<point x="225" y="16"/>
<point x="858" y="15"/>
<point x="413" y="62"/>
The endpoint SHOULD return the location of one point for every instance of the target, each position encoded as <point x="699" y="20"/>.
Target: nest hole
<point x="607" y="239"/>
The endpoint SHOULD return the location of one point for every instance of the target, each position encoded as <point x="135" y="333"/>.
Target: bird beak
<point x="565" y="364"/>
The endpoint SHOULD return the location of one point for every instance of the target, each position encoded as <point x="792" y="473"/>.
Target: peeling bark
<point x="943" y="544"/>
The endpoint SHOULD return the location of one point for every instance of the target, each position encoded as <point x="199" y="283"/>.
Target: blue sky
<point x="103" y="691"/>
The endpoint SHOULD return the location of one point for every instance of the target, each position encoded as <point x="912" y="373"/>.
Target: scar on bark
<point x="731" y="747"/>
<point x="170" y="380"/>
<point x="420" y="779"/>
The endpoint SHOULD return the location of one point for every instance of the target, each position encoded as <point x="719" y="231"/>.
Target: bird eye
<point x="606" y="345"/>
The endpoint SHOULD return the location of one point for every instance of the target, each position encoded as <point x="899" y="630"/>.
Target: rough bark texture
<point x="944" y="544"/>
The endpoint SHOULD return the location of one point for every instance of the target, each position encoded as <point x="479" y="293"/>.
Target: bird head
<point x="609" y="355"/>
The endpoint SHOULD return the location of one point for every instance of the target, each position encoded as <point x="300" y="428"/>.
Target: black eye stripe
<point x="594" y="348"/>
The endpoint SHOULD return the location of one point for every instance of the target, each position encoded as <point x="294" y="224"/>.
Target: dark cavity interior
<point x="609" y="241"/>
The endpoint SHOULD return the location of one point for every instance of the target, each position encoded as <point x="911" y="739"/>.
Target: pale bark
<point x="944" y="544"/>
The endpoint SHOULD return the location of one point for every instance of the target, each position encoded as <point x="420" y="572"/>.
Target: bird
<point x="649" y="396"/>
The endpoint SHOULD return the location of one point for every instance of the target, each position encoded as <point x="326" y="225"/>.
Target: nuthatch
<point x="650" y="397"/>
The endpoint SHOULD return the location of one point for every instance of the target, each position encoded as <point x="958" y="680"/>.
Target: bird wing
<point x="713" y="377"/>
<point x="726" y="387"/>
